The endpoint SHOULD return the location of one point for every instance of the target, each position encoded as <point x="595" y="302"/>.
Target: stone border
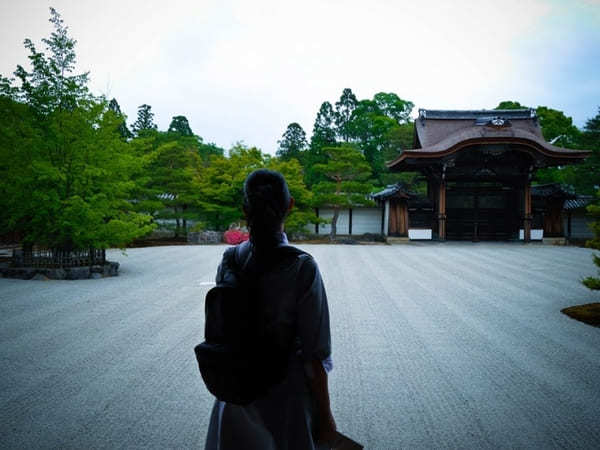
<point x="204" y="237"/>
<point x="110" y="269"/>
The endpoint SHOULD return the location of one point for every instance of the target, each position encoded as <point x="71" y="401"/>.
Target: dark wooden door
<point x="481" y="214"/>
<point x="398" y="218"/>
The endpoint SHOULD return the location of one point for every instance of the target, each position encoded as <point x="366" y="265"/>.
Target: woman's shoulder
<point x="236" y="253"/>
<point x="230" y="264"/>
<point x="308" y="269"/>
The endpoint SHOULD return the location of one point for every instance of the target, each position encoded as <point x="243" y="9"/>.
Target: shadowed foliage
<point x="589" y="313"/>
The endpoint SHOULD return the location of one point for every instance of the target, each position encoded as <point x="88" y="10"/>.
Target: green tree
<point x="145" y="121"/>
<point x="292" y="143"/>
<point x="396" y="141"/>
<point x="20" y="141"/>
<point x="591" y="132"/>
<point x="346" y="172"/>
<point x="394" y="107"/>
<point x="558" y="129"/>
<point x="303" y="212"/>
<point x="324" y="135"/>
<point x="594" y="282"/>
<point x="344" y="108"/>
<point x="180" y="124"/>
<point x="585" y="176"/>
<point x="221" y="183"/>
<point x="510" y="104"/>
<point x="51" y="85"/>
<point x="113" y="106"/>
<point x="7" y="89"/>
<point x="173" y="168"/>
<point x="381" y="128"/>
<point x="67" y="176"/>
<point x="207" y="150"/>
<point x="369" y="128"/>
<point x="323" y="128"/>
<point x="557" y="126"/>
<point x="167" y="185"/>
<point x="68" y="179"/>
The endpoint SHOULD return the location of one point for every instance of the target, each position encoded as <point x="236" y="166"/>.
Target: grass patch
<point x="589" y="313"/>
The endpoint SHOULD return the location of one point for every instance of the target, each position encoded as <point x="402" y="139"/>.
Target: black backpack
<point x="237" y="364"/>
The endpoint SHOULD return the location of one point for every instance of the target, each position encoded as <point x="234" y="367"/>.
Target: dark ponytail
<point x="266" y="202"/>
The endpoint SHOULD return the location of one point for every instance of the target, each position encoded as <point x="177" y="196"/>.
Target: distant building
<point x="478" y="166"/>
<point x="576" y="219"/>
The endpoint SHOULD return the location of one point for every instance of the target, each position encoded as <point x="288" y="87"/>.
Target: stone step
<point x="393" y="240"/>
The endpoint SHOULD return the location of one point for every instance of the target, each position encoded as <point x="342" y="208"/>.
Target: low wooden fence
<point x="53" y="258"/>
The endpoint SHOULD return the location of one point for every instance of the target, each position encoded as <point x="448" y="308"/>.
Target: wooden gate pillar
<point x="527" y="216"/>
<point x="442" y="211"/>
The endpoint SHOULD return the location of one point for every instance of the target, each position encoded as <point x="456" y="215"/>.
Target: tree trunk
<point x="176" y="222"/>
<point x="336" y="213"/>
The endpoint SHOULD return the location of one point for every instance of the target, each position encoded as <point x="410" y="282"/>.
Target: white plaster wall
<point x="419" y="233"/>
<point x="366" y="220"/>
<point x="386" y="218"/>
<point x="580" y="226"/>
<point x="342" y="223"/>
<point x="536" y="234"/>
<point x="310" y="228"/>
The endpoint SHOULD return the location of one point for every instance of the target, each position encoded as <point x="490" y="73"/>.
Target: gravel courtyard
<point x="435" y="346"/>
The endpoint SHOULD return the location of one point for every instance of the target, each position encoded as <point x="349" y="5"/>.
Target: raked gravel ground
<point x="435" y="346"/>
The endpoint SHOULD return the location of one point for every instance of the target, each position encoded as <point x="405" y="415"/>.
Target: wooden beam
<point x="442" y="211"/>
<point x="527" y="216"/>
<point x="350" y="221"/>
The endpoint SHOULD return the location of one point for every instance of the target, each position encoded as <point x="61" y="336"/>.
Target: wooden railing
<point x="58" y="258"/>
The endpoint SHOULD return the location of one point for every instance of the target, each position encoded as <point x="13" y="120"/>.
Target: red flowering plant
<point x="235" y="236"/>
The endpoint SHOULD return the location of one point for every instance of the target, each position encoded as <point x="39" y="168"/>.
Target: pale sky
<point x="244" y="70"/>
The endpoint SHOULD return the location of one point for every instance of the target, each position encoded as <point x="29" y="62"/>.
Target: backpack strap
<point x="244" y="260"/>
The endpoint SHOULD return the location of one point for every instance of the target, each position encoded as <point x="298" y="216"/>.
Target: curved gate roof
<point x="439" y="133"/>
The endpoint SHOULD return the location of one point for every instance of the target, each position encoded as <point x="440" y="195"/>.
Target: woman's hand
<point x="326" y="427"/>
<point x="327" y="430"/>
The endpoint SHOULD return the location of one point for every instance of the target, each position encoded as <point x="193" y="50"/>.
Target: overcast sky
<point x="244" y="70"/>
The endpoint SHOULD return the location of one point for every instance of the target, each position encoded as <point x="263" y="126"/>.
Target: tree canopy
<point x="51" y="85"/>
<point x="145" y="121"/>
<point x="593" y="283"/>
<point x="558" y="129"/>
<point x="113" y="106"/>
<point x="344" y="108"/>
<point x="67" y="168"/>
<point x="75" y="176"/>
<point x="323" y="128"/>
<point x="292" y="143"/>
<point x="180" y="125"/>
<point x="346" y="173"/>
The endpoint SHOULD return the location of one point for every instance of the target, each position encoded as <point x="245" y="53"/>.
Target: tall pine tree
<point x="51" y="85"/>
<point x="145" y="120"/>
<point x="292" y="143"/>
<point x="324" y="135"/>
<point x="324" y="128"/>
<point x="180" y="124"/>
<point x="113" y="106"/>
<point x="346" y="173"/>
<point x="593" y="283"/>
<point x="344" y="108"/>
<point x="67" y="182"/>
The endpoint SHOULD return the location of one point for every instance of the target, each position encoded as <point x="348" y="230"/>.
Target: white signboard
<point x="419" y="233"/>
<point x="536" y="234"/>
